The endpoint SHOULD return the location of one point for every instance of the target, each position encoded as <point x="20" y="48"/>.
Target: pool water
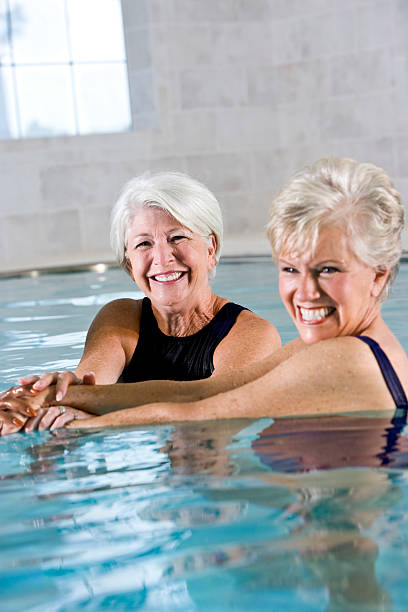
<point x="298" y="515"/>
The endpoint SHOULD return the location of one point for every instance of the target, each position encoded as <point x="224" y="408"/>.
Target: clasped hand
<point x="32" y="404"/>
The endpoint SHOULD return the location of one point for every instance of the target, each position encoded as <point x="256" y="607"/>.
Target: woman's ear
<point x="380" y="279"/>
<point x="129" y="267"/>
<point x="212" y="247"/>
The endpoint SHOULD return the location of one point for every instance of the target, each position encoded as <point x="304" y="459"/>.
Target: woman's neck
<point x="188" y="319"/>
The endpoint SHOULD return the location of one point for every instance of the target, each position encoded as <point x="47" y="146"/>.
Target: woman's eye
<point x="288" y="269"/>
<point x="144" y="243"/>
<point x="328" y="270"/>
<point x="177" y="238"/>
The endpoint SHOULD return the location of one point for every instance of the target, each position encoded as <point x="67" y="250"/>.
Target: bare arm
<point x="101" y="399"/>
<point x="108" y="398"/>
<point x="333" y="376"/>
<point x="110" y="342"/>
<point x="112" y="338"/>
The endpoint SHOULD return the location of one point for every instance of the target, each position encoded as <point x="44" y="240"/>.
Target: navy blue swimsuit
<point x="161" y="357"/>
<point x="334" y="440"/>
<point x="392" y="380"/>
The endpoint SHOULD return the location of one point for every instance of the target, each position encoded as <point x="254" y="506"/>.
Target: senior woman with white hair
<point x="166" y="232"/>
<point x="335" y="232"/>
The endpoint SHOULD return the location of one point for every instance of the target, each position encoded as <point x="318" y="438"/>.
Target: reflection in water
<point x="304" y="444"/>
<point x="206" y="516"/>
<point x="331" y="512"/>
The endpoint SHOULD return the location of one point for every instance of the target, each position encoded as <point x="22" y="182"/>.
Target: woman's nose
<point x="308" y="288"/>
<point x="162" y="253"/>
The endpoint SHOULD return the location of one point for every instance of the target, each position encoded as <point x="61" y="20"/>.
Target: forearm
<point x="221" y="406"/>
<point x="316" y="382"/>
<point x="102" y="399"/>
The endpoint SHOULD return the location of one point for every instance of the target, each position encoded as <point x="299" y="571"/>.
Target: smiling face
<point x="168" y="261"/>
<point x="329" y="292"/>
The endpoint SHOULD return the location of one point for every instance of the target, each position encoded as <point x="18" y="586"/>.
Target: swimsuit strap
<point x="392" y="380"/>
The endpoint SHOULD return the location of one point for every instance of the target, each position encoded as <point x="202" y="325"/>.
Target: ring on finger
<point x="62" y="409"/>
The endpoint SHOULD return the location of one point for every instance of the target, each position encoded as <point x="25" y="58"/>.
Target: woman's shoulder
<point x="248" y="322"/>
<point x="250" y="339"/>
<point x="247" y="316"/>
<point x="341" y="363"/>
<point x="123" y="312"/>
<point x="338" y="349"/>
<point x="123" y="306"/>
<point x="367" y="344"/>
<point x="354" y="358"/>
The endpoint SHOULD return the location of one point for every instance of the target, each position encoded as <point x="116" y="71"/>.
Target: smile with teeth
<point x="315" y="314"/>
<point x="165" y="278"/>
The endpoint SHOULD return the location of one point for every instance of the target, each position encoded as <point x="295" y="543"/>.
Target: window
<point x="63" y="68"/>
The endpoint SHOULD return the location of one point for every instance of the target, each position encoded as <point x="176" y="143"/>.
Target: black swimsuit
<point x="161" y="357"/>
<point x="392" y="380"/>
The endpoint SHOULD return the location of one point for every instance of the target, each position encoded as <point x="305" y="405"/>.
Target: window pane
<point x="39" y="31"/>
<point x="4" y="41"/>
<point x="45" y="100"/>
<point x="102" y="98"/>
<point x="96" y="30"/>
<point x="48" y="44"/>
<point x="8" y="119"/>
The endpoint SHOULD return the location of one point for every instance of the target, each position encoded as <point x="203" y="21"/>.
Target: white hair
<point x="187" y="200"/>
<point x="358" y="198"/>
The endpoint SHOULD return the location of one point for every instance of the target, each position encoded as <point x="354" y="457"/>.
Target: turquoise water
<point x="302" y="515"/>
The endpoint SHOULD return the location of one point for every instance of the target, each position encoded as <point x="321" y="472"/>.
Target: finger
<point x="28" y="380"/>
<point x="13" y="392"/>
<point x="45" y="380"/>
<point x="89" y="378"/>
<point x="64" y="380"/>
<point x="22" y="391"/>
<point x="18" y="406"/>
<point x="49" y="416"/>
<point x="14" y="404"/>
<point x="5" y="394"/>
<point x="63" y="420"/>
<point x="9" y="428"/>
<point x="12" y="418"/>
<point x="32" y="423"/>
<point x="10" y="422"/>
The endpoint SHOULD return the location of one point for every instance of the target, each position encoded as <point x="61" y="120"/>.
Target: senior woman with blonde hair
<point x="166" y="232"/>
<point x="335" y="232"/>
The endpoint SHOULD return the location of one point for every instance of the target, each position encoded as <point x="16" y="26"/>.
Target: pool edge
<point x="102" y="266"/>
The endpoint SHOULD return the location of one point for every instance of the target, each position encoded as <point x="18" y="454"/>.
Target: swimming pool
<point x="302" y="515"/>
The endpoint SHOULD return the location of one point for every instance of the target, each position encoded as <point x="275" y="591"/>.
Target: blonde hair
<point x="358" y="198"/>
<point x="187" y="200"/>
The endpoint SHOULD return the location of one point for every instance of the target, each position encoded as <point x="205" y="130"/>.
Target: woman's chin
<point x="167" y="296"/>
<point x="311" y="334"/>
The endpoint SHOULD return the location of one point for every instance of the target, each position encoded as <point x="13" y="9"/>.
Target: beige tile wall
<point x="238" y="93"/>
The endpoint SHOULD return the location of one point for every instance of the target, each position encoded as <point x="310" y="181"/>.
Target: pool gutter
<point x="102" y="266"/>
